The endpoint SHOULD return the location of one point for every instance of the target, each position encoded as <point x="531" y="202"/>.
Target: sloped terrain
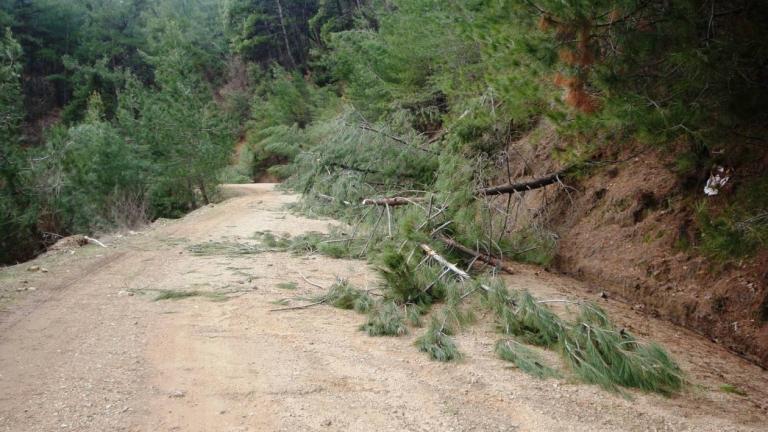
<point x="620" y="231"/>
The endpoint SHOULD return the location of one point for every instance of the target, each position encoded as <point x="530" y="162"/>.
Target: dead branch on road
<point x="392" y="201"/>
<point x="444" y="262"/>
<point x="488" y="259"/>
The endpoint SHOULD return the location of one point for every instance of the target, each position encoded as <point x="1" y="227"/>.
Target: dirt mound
<point x="67" y="243"/>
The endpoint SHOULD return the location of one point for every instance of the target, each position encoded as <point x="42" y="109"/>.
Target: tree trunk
<point x="203" y="192"/>
<point x="392" y="202"/>
<point x="524" y="186"/>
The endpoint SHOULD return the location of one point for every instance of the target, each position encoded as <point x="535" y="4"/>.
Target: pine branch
<point x="524" y="186"/>
<point x="488" y="259"/>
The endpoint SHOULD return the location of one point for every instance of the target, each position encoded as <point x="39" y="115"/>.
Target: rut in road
<point x="89" y="349"/>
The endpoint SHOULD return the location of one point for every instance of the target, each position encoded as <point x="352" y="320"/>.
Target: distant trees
<point x="17" y="217"/>
<point x="266" y="31"/>
<point x="107" y="115"/>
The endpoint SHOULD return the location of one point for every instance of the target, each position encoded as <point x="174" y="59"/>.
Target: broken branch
<point x="477" y="255"/>
<point x="524" y="186"/>
<point x="391" y="202"/>
<point x="444" y="262"/>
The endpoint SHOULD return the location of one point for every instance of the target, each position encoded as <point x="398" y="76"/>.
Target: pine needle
<point x="437" y="342"/>
<point x="385" y="320"/>
<point x="524" y="358"/>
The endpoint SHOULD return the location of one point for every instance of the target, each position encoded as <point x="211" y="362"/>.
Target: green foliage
<point x="140" y="135"/>
<point x="180" y="295"/>
<point x="532" y="245"/>
<point x="17" y="212"/>
<point x="591" y="345"/>
<point x="600" y="353"/>
<point x="267" y="31"/>
<point x="385" y="319"/>
<point x="332" y="244"/>
<point x="404" y="283"/>
<point x="288" y="285"/>
<point x="531" y="322"/>
<point x="437" y="342"/>
<point x="732" y="389"/>
<point x="224" y="248"/>
<point x="524" y="358"/>
<point x="98" y="178"/>
<point x="738" y="229"/>
<point x="345" y="296"/>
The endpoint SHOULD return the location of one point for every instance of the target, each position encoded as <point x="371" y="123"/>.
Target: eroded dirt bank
<point x="627" y="228"/>
<point x="79" y="352"/>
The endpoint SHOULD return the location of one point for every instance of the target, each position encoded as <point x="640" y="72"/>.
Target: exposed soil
<point x="621" y="229"/>
<point x="89" y="350"/>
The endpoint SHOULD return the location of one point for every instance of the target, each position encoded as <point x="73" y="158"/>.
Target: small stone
<point x="124" y="293"/>
<point x="178" y="394"/>
<point x="31" y="289"/>
<point x="33" y="268"/>
<point x="20" y="289"/>
<point x="603" y="295"/>
<point x="327" y="423"/>
<point x="43" y="269"/>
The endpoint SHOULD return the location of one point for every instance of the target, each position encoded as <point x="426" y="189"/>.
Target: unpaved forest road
<point x="79" y="354"/>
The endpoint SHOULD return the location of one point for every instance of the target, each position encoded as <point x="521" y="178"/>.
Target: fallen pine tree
<point x="479" y="256"/>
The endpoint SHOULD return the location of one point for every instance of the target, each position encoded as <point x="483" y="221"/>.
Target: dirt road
<point x="89" y="350"/>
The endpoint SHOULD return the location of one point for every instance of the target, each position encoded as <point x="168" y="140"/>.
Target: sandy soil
<point x="87" y="349"/>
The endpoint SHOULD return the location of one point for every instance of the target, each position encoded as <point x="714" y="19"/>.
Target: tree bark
<point x="352" y="168"/>
<point x="203" y="192"/>
<point x="444" y="262"/>
<point x="392" y="202"/>
<point x="524" y="186"/>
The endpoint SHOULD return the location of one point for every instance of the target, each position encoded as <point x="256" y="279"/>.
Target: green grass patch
<point x="288" y="285"/>
<point x="180" y="295"/>
<point x="732" y="389"/>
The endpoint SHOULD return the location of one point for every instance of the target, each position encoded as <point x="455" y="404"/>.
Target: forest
<point x="115" y="113"/>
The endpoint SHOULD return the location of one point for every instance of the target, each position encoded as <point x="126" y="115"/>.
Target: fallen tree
<point x="391" y="202"/>
<point x="525" y="186"/>
<point x="488" y="259"/>
<point x="492" y="190"/>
